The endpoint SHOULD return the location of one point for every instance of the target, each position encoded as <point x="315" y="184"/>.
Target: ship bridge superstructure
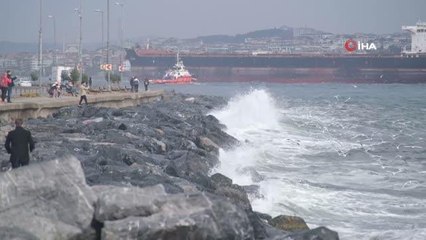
<point x="418" y="38"/>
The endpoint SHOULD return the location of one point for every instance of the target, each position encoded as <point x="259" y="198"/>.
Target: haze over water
<point x="349" y="157"/>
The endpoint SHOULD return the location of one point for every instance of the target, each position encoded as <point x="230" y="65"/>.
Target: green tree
<point x="85" y="78"/>
<point x="34" y="76"/>
<point x="115" y="78"/>
<point x="75" y="75"/>
<point x="65" y="76"/>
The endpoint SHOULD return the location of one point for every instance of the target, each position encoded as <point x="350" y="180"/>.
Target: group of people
<point x="134" y="84"/>
<point x="55" y="90"/>
<point x="6" y="84"/>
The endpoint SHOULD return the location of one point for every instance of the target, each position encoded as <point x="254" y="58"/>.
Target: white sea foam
<point x="249" y="112"/>
<point x="319" y="166"/>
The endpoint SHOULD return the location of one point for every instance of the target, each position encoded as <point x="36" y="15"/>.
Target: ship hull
<point x="294" y="75"/>
<point x="179" y="80"/>
<point x="289" y="69"/>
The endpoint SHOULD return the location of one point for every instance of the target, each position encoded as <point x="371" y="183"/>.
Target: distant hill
<point x="284" y="33"/>
<point x="7" y="47"/>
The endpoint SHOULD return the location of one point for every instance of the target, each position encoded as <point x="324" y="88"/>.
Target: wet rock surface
<point x="146" y="172"/>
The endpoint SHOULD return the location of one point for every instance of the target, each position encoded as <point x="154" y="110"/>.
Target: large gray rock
<point x="49" y="200"/>
<point x="193" y="217"/>
<point x="121" y="202"/>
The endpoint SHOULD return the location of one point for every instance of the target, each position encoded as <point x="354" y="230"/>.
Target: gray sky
<point x="19" y="19"/>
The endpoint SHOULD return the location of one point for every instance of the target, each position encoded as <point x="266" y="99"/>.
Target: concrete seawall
<point x="44" y="106"/>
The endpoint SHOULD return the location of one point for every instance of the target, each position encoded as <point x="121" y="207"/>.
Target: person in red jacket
<point x="5" y="81"/>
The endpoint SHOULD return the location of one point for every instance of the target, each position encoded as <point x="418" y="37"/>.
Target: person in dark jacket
<point x="132" y="86"/>
<point x="18" y="144"/>
<point x="146" y="83"/>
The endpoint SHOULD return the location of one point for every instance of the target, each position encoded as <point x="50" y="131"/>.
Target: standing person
<point x="132" y="87"/>
<point x="9" y="88"/>
<point x="4" y="84"/>
<point x="57" y="90"/>
<point x="90" y="82"/>
<point x="136" y="83"/>
<point x="83" y="93"/>
<point x="146" y="83"/>
<point x="18" y="144"/>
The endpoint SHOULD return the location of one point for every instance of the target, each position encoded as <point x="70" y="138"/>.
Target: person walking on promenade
<point x="18" y="144"/>
<point x="5" y="80"/>
<point x="136" y="84"/>
<point x="146" y="83"/>
<point x="83" y="93"/>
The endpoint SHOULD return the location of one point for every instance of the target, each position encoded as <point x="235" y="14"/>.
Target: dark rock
<point x="70" y="130"/>
<point x="155" y="146"/>
<point x="320" y="233"/>
<point x="235" y="194"/>
<point x="194" y="162"/>
<point x="264" y="216"/>
<point x="117" y="113"/>
<point x="289" y="223"/>
<point x="221" y="180"/>
<point x="122" y="127"/>
<point x="127" y="160"/>
<point x="171" y="171"/>
<point x="207" y="144"/>
<point x="258" y="225"/>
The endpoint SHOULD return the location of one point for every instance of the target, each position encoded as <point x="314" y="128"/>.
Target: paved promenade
<point x="33" y="107"/>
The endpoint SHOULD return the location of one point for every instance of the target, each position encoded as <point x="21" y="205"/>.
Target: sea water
<point x="349" y="157"/>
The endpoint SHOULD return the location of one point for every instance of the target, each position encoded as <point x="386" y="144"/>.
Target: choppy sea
<point x="349" y="157"/>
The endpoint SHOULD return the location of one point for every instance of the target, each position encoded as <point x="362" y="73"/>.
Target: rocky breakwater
<point x="133" y="173"/>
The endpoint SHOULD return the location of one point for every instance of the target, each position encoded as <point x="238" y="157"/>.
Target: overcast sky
<point x="19" y="19"/>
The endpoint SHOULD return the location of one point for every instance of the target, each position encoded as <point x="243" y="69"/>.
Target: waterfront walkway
<point x="33" y="107"/>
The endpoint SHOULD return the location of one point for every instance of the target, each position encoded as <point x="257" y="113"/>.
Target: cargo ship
<point x="407" y="67"/>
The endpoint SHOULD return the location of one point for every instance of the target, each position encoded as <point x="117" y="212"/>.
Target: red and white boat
<point x="177" y="74"/>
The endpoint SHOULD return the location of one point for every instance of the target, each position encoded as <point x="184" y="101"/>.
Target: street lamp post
<point x="121" y="38"/>
<point x="108" y="72"/>
<point x="40" y="46"/>
<point x="80" y="47"/>
<point x="54" y="39"/>
<point x="102" y="22"/>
